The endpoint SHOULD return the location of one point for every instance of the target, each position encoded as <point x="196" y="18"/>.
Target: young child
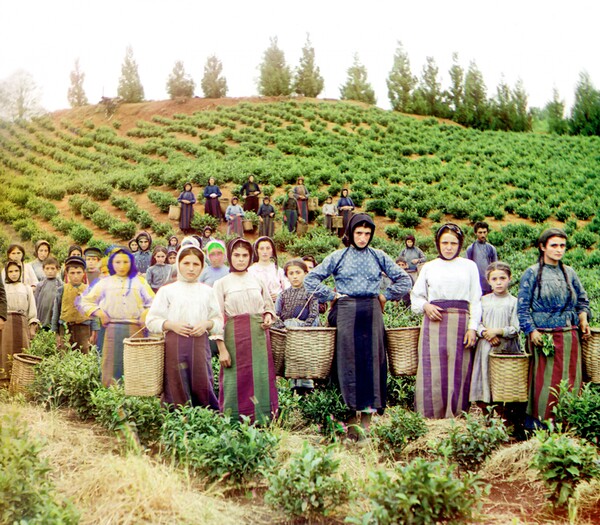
<point x="133" y="246"/>
<point x="120" y="302"/>
<point x="498" y="330"/>
<point x="295" y="306"/>
<point x="187" y="311"/>
<point x="173" y="243"/>
<point x="144" y="255"/>
<point x="16" y="253"/>
<point x="329" y="212"/>
<point x="265" y="267"/>
<point x="93" y="258"/>
<point x="21" y="319"/>
<point x="171" y="255"/>
<point x="217" y="269"/>
<point x="41" y="250"/>
<point x="159" y="272"/>
<point x="66" y="316"/>
<point x="73" y="251"/>
<point x="46" y="291"/>
<point x="234" y="215"/>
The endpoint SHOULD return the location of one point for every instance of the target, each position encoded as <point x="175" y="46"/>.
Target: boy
<point x="482" y="253"/>
<point x="46" y="291"/>
<point x="66" y="316"/>
<point x="92" y="256"/>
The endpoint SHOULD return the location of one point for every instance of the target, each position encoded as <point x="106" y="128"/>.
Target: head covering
<point x="7" y="266"/>
<point x="74" y="260"/>
<point x="134" y="240"/>
<point x="546" y="235"/>
<point x="454" y="229"/>
<point x="173" y="237"/>
<point x="238" y="242"/>
<point x="190" y="240"/>
<point x="255" y="248"/>
<point x="39" y="243"/>
<point x="234" y="199"/>
<point x="147" y="235"/>
<point x="209" y="228"/>
<point x="92" y="251"/>
<point x="186" y="250"/>
<point x="215" y="245"/>
<point x="132" y="270"/>
<point x="410" y="237"/>
<point x="360" y="219"/>
<point x="186" y="185"/>
<point x="72" y="248"/>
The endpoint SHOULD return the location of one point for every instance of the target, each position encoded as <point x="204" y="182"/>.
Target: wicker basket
<point x="591" y="356"/>
<point x="143" y="365"/>
<point x="248" y="226"/>
<point x="309" y="352"/>
<point x="509" y="377"/>
<point x="223" y="202"/>
<point x="301" y="228"/>
<point x="313" y="203"/>
<point x="174" y="212"/>
<point x="337" y="221"/>
<point x="23" y="372"/>
<point x="403" y="350"/>
<point x="278" y="338"/>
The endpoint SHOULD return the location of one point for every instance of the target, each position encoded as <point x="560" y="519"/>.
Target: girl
<point x="212" y="192"/>
<point x="329" y="212"/>
<point x="21" y="321"/>
<point x="266" y="214"/>
<point x="144" y="255"/>
<point x="173" y="242"/>
<point x="294" y="306"/>
<point x="552" y="301"/>
<point x="247" y="380"/>
<point x="345" y="206"/>
<point x="448" y="292"/>
<point x="498" y="330"/>
<point x="133" y="246"/>
<point x="414" y="257"/>
<point x="265" y="267"/>
<point x="290" y="211"/>
<point x="301" y="195"/>
<point x="251" y="190"/>
<point x="207" y="236"/>
<point x="171" y="255"/>
<point x="41" y="251"/>
<point x="187" y="200"/>
<point x="234" y="215"/>
<point x="159" y="272"/>
<point x="187" y="311"/>
<point x="16" y="253"/>
<point x="120" y="302"/>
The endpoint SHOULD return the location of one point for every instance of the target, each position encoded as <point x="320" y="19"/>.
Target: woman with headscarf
<point x="120" y="302"/>
<point x="361" y="365"/>
<point x="234" y="216"/>
<point x="552" y="303"/>
<point x="187" y="311"/>
<point x="207" y="236"/>
<point x="448" y="293"/>
<point x="41" y="250"/>
<point x="212" y="206"/>
<point x="16" y="253"/>
<point x="266" y="216"/>
<point x="251" y="191"/>
<point x="414" y="257"/>
<point x="247" y="380"/>
<point x="187" y="200"/>
<point x="345" y="206"/>
<point x="301" y="195"/>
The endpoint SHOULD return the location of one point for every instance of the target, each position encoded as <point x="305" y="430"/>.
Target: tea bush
<point x="401" y="391"/>
<point x="309" y="486"/>
<point x="43" y="344"/>
<point x="579" y="413"/>
<point x="80" y="234"/>
<point x="325" y="407"/>
<point x="162" y="199"/>
<point x="123" y="230"/>
<point x="421" y="492"/>
<point x="393" y="433"/>
<point x="200" y="221"/>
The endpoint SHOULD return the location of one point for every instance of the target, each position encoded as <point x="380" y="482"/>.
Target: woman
<point x="187" y="311"/>
<point x="266" y="215"/>
<point x="357" y="312"/>
<point x="414" y="257"/>
<point x="212" y="192"/>
<point x="251" y="191"/>
<point x="552" y="304"/>
<point x="234" y="215"/>
<point x="301" y="195"/>
<point x="345" y="206"/>
<point x="290" y="211"/>
<point x="247" y="380"/>
<point x="447" y="291"/>
<point x="41" y="251"/>
<point x="16" y="253"/>
<point x="187" y="200"/>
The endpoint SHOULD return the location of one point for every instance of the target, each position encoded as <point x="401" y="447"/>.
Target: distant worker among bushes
<point x="187" y="199"/>
<point x="234" y="216"/>
<point x="266" y="214"/>
<point x="329" y="212"/>
<point x="414" y="257"/>
<point x="345" y="207"/>
<point x="482" y="253"/>
<point x="301" y="194"/>
<point x="290" y="211"/>
<point x="212" y="206"/>
<point x="250" y="191"/>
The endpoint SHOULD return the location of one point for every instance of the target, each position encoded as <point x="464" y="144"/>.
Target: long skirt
<point x="303" y="209"/>
<point x="14" y="337"/>
<point x="546" y="373"/>
<point x="79" y="334"/>
<point x="360" y="360"/>
<point x="251" y="203"/>
<point x="235" y="226"/>
<point x="267" y="227"/>
<point x="346" y="216"/>
<point x="187" y="214"/>
<point x="292" y="219"/>
<point x="111" y="337"/>
<point x="188" y="371"/>
<point x="247" y="388"/>
<point x="445" y="365"/>
<point x="213" y="207"/>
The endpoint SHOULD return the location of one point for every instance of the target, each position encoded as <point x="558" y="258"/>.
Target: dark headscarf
<point x="147" y="235"/>
<point x="132" y="270"/>
<point x="455" y="230"/>
<point x="236" y="243"/>
<point x="360" y="219"/>
<point x="546" y="235"/>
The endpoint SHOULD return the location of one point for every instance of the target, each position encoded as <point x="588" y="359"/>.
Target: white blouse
<point x="273" y="278"/>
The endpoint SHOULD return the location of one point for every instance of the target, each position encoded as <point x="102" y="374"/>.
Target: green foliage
<point x="585" y="114"/>
<point x="397" y="315"/>
<point x="357" y="86"/>
<point x="408" y="218"/>
<point x="395" y="431"/>
<point x="200" y="221"/>
<point x="275" y="75"/>
<point x="401" y="391"/>
<point x="325" y="407"/>
<point x="80" y="234"/>
<point x="563" y="461"/>
<point x="130" y="88"/>
<point x="179" y="84"/>
<point x="579" y="412"/>
<point x="43" y="344"/>
<point x="401" y="82"/>
<point x="309" y="485"/>
<point x="317" y="242"/>
<point x="213" y="84"/>
<point x="471" y="445"/>
<point x="421" y="492"/>
<point x="123" y="230"/>
<point x="28" y="494"/>
<point x="162" y="200"/>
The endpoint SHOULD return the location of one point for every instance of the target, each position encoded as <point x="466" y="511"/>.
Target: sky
<point x="545" y="43"/>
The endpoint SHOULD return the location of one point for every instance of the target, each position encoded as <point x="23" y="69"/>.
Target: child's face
<point x="499" y="281"/>
<point x="240" y="258"/>
<point x="92" y="262"/>
<point x="15" y="255"/>
<point x="216" y="258"/>
<point x="160" y="257"/>
<point x="13" y="273"/>
<point x="75" y="275"/>
<point x="133" y="246"/>
<point x="295" y="275"/>
<point x="50" y="271"/>
<point x="265" y="251"/>
<point x="172" y="258"/>
<point x="173" y="242"/>
<point x="403" y="265"/>
<point x="309" y="265"/>
<point x="190" y="267"/>
<point x="121" y="264"/>
<point x="43" y="252"/>
<point x="144" y="243"/>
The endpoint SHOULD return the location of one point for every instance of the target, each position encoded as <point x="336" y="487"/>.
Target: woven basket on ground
<point x="403" y="350"/>
<point x="313" y="203"/>
<point x="309" y="352"/>
<point x="23" y="372"/>
<point x="174" y="212"/>
<point x="223" y="202"/>
<point x="143" y="365"/>
<point x="591" y="356"/>
<point x="509" y="377"/>
<point x="337" y="221"/>
<point x="278" y="338"/>
<point x="248" y="226"/>
<point x="301" y="228"/>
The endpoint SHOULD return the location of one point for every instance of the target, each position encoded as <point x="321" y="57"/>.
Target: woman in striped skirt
<point x="448" y="293"/>
<point x="552" y="304"/>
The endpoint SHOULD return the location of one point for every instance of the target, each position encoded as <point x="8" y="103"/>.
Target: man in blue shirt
<point x="482" y="253"/>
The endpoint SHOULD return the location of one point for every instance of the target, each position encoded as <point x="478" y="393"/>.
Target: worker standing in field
<point x="482" y="253"/>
